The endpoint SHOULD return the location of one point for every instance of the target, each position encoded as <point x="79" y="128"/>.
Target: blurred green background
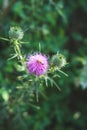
<point x="58" y="25"/>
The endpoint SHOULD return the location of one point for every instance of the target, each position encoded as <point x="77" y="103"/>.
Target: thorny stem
<point x="18" y="52"/>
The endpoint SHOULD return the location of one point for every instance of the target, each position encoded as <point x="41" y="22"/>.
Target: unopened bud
<point x="58" y="60"/>
<point x="16" y="33"/>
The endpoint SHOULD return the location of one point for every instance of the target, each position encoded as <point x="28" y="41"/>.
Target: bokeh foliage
<point x="58" y="25"/>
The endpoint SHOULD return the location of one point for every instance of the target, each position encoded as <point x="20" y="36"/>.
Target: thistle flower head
<point x="16" y="33"/>
<point x="37" y="64"/>
<point x="58" y="60"/>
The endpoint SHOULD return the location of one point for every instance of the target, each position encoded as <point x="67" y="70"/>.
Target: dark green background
<point x="61" y="26"/>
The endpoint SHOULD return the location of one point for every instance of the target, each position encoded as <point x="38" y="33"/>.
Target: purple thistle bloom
<point x="37" y="64"/>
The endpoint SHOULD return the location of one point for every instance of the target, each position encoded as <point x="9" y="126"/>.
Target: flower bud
<point x="58" y="60"/>
<point x="16" y="33"/>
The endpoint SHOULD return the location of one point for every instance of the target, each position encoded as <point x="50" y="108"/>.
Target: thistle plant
<point x="38" y="68"/>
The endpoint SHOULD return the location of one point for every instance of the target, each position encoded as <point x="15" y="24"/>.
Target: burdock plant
<point x="38" y="68"/>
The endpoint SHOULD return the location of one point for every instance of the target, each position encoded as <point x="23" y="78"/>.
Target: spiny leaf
<point x="5" y="39"/>
<point x="53" y="82"/>
<point x="63" y="72"/>
<point x="12" y="57"/>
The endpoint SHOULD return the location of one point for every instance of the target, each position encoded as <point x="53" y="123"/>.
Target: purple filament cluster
<point x="37" y="64"/>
